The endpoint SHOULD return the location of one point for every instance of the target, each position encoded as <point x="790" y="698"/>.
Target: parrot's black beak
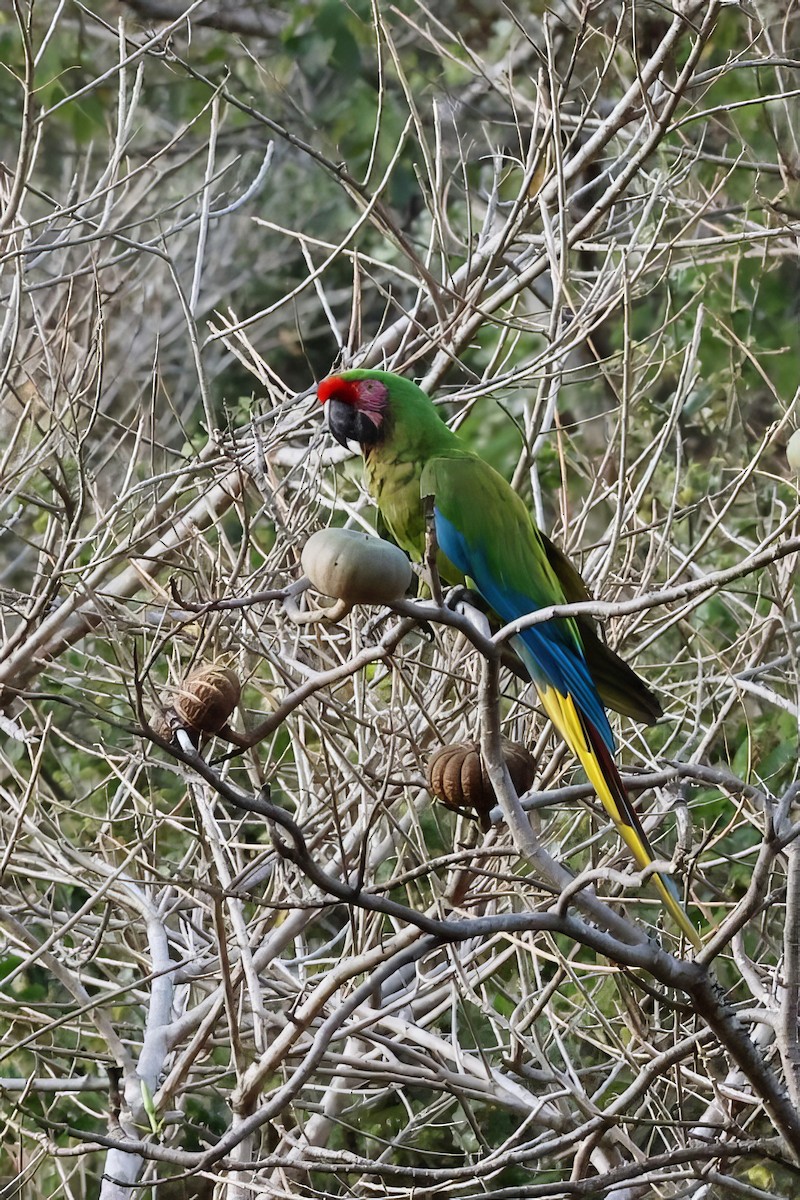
<point x="339" y="421"/>
<point x="349" y="424"/>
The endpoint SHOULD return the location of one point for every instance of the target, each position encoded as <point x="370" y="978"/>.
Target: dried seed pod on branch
<point x="457" y="775"/>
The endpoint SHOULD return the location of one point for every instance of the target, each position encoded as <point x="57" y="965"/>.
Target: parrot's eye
<point x="372" y="394"/>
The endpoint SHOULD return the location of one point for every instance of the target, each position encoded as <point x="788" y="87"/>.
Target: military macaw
<point x="486" y="534"/>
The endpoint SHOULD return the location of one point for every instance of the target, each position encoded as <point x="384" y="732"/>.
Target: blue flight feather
<point x="549" y="656"/>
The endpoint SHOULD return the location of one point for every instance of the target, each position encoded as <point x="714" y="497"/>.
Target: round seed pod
<point x="356" y="567"/>
<point x="206" y="699"/>
<point x="793" y="451"/>
<point x="457" y="776"/>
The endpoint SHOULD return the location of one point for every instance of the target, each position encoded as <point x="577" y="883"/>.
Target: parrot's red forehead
<point x="342" y="389"/>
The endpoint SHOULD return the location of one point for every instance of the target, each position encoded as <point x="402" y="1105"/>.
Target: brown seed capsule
<point x="458" y="777"/>
<point x="160" y="723"/>
<point x="206" y="699"/>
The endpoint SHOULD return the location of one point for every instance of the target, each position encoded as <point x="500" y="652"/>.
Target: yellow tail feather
<point x="567" y="720"/>
<point x="676" y="911"/>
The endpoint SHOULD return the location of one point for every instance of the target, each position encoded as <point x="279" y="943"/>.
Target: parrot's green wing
<point x="486" y="531"/>
<point x="523" y="559"/>
<point x="619" y="686"/>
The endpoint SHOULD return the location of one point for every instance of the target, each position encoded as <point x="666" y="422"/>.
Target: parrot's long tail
<point x="598" y="763"/>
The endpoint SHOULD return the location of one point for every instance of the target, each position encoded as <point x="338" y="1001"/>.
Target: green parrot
<point x="486" y="535"/>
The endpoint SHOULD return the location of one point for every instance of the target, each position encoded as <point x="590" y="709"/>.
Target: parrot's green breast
<point x="394" y="486"/>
